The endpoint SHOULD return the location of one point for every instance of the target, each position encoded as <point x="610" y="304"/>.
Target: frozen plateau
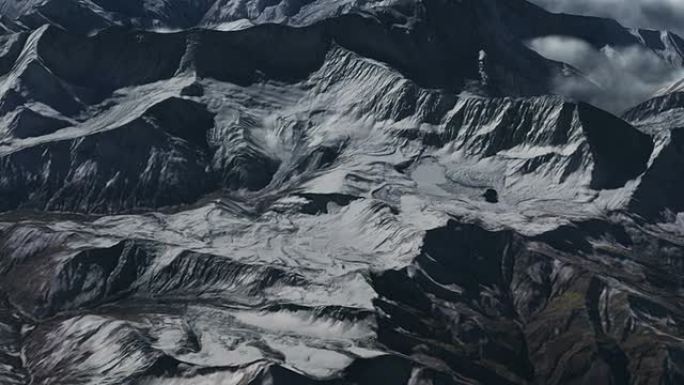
<point x="321" y="192"/>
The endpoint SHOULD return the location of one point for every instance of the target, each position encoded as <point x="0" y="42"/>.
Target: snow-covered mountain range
<point x="412" y="192"/>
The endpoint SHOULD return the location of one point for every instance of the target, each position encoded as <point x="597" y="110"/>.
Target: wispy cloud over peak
<point x="620" y="77"/>
<point x="653" y="14"/>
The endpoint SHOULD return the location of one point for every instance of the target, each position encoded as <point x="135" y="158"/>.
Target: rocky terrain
<point x="276" y="192"/>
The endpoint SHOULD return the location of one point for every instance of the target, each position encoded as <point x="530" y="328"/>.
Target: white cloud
<point x="653" y="14"/>
<point x="622" y="77"/>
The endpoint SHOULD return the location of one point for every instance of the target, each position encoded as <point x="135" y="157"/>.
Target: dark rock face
<point x="28" y="123"/>
<point x="615" y="165"/>
<point x="136" y="165"/>
<point x="342" y="193"/>
<point x="661" y="185"/>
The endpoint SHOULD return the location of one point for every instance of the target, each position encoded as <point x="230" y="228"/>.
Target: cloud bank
<point x="619" y="78"/>
<point x="653" y="14"/>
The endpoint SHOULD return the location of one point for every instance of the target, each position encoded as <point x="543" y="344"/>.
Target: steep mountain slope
<point x="663" y="117"/>
<point x="313" y="192"/>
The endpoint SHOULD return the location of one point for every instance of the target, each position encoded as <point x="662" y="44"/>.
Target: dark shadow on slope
<point x="662" y="186"/>
<point x="184" y="119"/>
<point x="10" y="48"/>
<point x="28" y="123"/>
<point x="454" y="303"/>
<point x="621" y="153"/>
<point x="260" y="53"/>
<point x="111" y="59"/>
